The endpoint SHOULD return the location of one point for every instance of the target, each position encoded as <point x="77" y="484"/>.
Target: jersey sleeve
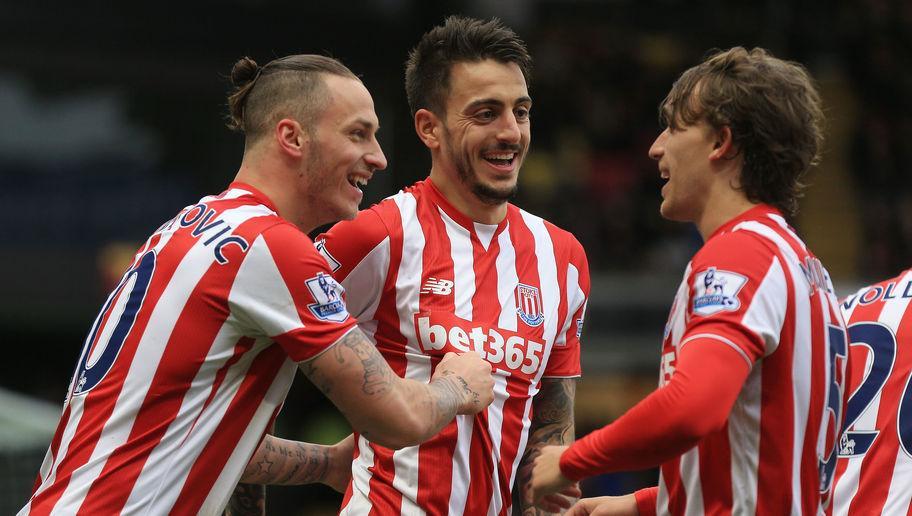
<point x="663" y="425"/>
<point x="564" y="361"/>
<point x="284" y="288"/>
<point x="738" y="295"/>
<point x="358" y="252"/>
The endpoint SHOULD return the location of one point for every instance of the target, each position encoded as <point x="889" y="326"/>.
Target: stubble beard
<point x="484" y="193"/>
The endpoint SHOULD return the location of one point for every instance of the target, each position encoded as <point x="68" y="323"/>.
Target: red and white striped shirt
<point x="423" y="279"/>
<point x="189" y="361"/>
<point x="874" y="473"/>
<point x="754" y="286"/>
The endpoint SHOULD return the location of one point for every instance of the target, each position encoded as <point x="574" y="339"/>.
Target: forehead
<point x="347" y="101"/>
<point x="488" y="79"/>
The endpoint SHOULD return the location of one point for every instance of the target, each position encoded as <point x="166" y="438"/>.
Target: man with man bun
<point x="194" y="351"/>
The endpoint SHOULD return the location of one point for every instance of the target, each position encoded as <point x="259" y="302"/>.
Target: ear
<point x="723" y="146"/>
<point x="290" y="137"/>
<point x="428" y="127"/>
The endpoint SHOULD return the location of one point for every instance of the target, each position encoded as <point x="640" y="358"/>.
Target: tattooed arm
<point x="552" y="423"/>
<point x="287" y="463"/>
<point x="393" y="411"/>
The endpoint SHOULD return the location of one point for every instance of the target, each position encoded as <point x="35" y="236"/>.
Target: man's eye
<point x="486" y="115"/>
<point x="523" y="114"/>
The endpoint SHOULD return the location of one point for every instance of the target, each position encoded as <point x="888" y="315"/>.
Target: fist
<point x="471" y="376"/>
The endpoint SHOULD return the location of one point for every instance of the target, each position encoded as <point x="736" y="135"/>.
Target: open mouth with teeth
<point x="502" y="159"/>
<point x="357" y="181"/>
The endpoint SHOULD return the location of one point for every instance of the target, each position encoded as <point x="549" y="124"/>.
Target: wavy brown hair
<point x="290" y="86"/>
<point x="773" y="110"/>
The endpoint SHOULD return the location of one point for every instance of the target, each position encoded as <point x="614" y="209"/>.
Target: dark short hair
<point x="773" y="109"/>
<point x="459" y="39"/>
<point x="289" y="86"/>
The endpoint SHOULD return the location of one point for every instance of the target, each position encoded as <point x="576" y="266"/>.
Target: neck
<point x="458" y="194"/>
<point x="273" y="179"/>
<point x="725" y="205"/>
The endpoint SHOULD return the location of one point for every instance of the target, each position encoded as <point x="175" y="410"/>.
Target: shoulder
<point x="561" y="238"/>
<point x="737" y="248"/>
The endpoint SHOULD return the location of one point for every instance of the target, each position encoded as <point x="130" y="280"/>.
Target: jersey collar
<point x="255" y="193"/>
<point x="459" y="217"/>
<point x="757" y="212"/>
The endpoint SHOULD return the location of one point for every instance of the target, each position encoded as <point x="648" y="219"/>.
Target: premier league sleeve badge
<point x="716" y="290"/>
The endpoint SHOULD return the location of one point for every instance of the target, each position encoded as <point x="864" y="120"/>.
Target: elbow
<point x="695" y="429"/>
<point x="403" y="430"/>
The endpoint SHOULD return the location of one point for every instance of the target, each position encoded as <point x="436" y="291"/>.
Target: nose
<point x="658" y="146"/>
<point x="375" y="158"/>
<point x="509" y="130"/>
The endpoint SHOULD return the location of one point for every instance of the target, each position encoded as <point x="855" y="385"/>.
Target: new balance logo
<point x="437" y="286"/>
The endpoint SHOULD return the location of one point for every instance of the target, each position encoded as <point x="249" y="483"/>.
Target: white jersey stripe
<point x="218" y="498"/>
<point x="506" y="272"/>
<point x="462" y="254"/>
<point x="766" y="317"/>
<point x="438" y="256"/>
<point x="495" y="426"/>
<point x="418" y="365"/>
<point x="690" y="476"/>
<point x="744" y="429"/>
<point x="359" y="503"/>
<point x="148" y="355"/>
<point x="463" y="266"/>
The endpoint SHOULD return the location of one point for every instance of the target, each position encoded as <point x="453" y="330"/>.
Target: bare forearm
<point x="389" y="410"/>
<point x="247" y="500"/>
<point x="552" y="423"/>
<point x="281" y="462"/>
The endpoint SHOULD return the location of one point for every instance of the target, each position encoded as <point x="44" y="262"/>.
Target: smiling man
<point x="448" y="264"/>
<point x="194" y="351"/>
<point x="748" y="412"/>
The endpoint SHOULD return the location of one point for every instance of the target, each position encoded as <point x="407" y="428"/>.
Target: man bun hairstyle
<point x="773" y="110"/>
<point x="288" y="87"/>
<point x="459" y="39"/>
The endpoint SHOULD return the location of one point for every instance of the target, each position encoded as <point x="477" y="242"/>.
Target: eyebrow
<point x="366" y="123"/>
<point x="495" y="102"/>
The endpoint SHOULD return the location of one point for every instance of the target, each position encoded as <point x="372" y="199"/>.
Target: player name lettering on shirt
<point x="217" y="231"/>
<point x="439" y="333"/>
<point x="878" y="293"/>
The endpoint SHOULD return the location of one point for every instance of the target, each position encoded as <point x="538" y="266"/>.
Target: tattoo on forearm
<point x="289" y="463"/>
<point x="247" y="500"/>
<point x="378" y="377"/>
<point x="552" y="423"/>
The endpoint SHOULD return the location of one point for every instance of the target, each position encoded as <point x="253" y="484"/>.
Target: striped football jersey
<point x="755" y="286"/>
<point x="423" y="279"/>
<point x="874" y="473"/>
<point x="189" y="361"/>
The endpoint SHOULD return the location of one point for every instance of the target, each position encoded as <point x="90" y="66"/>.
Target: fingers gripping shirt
<point x="423" y="279"/>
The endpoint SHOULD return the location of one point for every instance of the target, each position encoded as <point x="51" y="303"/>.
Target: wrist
<point x="453" y="391"/>
<point x="567" y="464"/>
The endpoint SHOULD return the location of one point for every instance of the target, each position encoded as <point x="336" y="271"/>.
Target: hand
<point x="547" y="478"/>
<point x="560" y="501"/>
<point x="340" y="464"/>
<point x="605" y="506"/>
<point x="473" y="379"/>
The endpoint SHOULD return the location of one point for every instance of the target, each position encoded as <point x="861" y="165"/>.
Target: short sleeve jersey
<point x="755" y="287"/>
<point x="423" y="279"/>
<point x="874" y="473"/>
<point x="188" y="362"/>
